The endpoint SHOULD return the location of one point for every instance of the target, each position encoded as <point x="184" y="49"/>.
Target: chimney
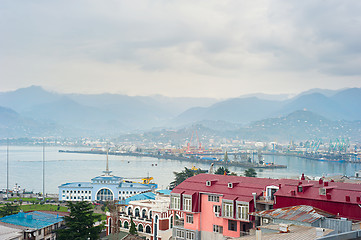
<point x="320" y="181"/>
<point x="258" y="234"/>
<point x="303" y="177"/>
<point x="347" y="198"/>
<point x="328" y="196"/>
<point x="254" y="200"/>
<point x="357" y="199"/>
<point x="325" y="184"/>
<point x="332" y="180"/>
<point x="279" y="186"/>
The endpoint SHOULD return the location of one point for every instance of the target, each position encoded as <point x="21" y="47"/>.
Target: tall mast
<point x="107" y="166"/>
<point x="107" y="172"/>
<point x="7" y="168"/>
<point x="43" y="169"/>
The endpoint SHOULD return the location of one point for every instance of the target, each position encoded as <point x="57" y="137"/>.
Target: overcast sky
<point x="180" y="48"/>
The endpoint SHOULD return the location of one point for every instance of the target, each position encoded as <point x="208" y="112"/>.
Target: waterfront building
<point x="218" y="206"/>
<point x="34" y="225"/>
<point x="152" y="218"/>
<point x="106" y="187"/>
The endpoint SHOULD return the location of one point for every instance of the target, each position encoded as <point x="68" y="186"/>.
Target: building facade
<point x="152" y="218"/>
<point x="106" y="187"/>
<point x="218" y="206"/>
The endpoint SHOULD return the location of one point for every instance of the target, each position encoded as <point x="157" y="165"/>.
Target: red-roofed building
<point x="217" y="206"/>
<point x="341" y="199"/>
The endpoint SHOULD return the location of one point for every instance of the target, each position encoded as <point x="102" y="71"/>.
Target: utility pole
<point x="43" y="169"/>
<point x="7" y="168"/>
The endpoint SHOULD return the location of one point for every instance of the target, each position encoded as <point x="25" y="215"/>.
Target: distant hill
<point x="12" y="124"/>
<point x="339" y="105"/>
<point x="115" y="114"/>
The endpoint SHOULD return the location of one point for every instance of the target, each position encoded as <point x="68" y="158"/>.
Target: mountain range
<point x="34" y="111"/>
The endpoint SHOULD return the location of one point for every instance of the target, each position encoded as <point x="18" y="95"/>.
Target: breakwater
<point x="193" y="159"/>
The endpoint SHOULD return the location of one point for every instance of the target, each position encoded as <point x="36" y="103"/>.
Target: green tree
<point x="80" y="223"/>
<point x="221" y="171"/>
<point x="250" y="172"/>
<point x="9" y="209"/>
<point x="132" y="229"/>
<point x="183" y="175"/>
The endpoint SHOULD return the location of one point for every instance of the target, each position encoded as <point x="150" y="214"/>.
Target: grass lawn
<point x="45" y="207"/>
<point x="25" y="199"/>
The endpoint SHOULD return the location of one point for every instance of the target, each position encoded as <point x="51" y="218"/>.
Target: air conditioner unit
<point x="216" y="214"/>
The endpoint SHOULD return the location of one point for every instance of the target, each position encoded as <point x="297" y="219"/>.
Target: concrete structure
<point x="102" y="188"/>
<point x="34" y="225"/>
<point x="8" y="232"/>
<point x="217" y="206"/>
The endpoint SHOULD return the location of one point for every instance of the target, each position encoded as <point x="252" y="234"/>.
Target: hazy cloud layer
<point x="180" y="48"/>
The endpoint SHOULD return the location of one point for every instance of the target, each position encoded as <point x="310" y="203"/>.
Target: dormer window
<point x="230" y="185"/>
<point x="299" y="189"/>
<point x="322" y="191"/>
<point x="187" y="203"/>
<point x="208" y="183"/>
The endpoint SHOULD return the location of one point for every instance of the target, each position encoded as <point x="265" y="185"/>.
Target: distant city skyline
<point x="216" y="49"/>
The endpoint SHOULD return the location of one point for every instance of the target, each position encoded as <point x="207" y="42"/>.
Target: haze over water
<point x="25" y="167"/>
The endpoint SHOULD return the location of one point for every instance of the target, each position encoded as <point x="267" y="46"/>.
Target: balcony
<point x="265" y="200"/>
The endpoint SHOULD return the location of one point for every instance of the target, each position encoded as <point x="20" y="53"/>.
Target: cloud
<point x="209" y="45"/>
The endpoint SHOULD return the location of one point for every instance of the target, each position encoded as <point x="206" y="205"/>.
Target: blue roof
<point x="141" y="196"/>
<point x="136" y="185"/>
<point x="107" y="178"/>
<point x="164" y="191"/>
<point x="77" y="185"/>
<point x="36" y="220"/>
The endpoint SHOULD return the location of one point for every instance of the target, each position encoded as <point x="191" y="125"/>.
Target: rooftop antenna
<point x="43" y="169"/>
<point x="7" y="168"/>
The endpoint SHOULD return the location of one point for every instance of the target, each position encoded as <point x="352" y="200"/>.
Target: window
<point x="213" y="198"/>
<point x="180" y="233"/>
<point x="126" y="224"/>
<point x="147" y="230"/>
<point x="322" y="191"/>
<point x="217" y="229"/>
<point x="137" y="212"/>
<point x="232" y="225"/>
<point x="189" y="218"/>
<point x="299" y="189"/>
<point x="140" y="228"/>
<point x="104" y="195"/>
<point x="187" y="204"/>
<point x="175" y="202"/>
<point x="190" y="235"/>
<point x="217" y="209"/>
<point x="144" y="213"/>
<point x="242" y="211"/>
<point x="228" y="210"/>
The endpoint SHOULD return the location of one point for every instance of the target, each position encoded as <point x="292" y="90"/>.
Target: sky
<point x="185" y="48"/>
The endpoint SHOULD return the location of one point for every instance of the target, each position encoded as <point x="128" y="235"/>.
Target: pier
<point x="192" y="159"/>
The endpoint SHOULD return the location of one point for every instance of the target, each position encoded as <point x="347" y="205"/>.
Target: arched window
<point x="104" y="195"/>
<point x="130" y="211"/>
<point x="140" y="228"/>
<point x="144" y="213"/>
<point x="147" y="229"/>
<point x="120" y="223"/>
<point x="150" y="214"/>
<point x="126" y="224"/>
<point x="136" y="212"/>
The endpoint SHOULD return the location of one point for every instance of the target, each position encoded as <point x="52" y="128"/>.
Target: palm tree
<point x="183" y="175"/>
<point x="250" y="173"/>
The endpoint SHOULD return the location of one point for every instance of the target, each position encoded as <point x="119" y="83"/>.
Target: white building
<point x="103" y="188"/>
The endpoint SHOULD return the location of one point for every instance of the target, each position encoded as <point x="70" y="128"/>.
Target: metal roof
<point x="301" y="213"/>
<point x="77" y="185"/>
<point x="35" y="220"/>
<point x="141" y="196"/>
